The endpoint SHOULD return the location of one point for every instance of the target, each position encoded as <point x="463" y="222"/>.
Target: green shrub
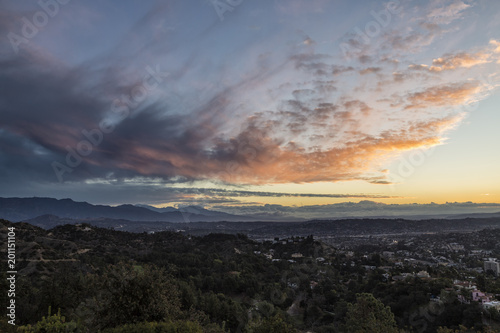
<point x="51" y="324"/>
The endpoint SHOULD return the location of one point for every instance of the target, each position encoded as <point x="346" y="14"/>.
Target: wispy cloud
<point x="446" y="13"/>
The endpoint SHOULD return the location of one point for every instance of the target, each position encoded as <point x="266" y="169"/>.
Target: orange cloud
<point x="447" y="95"/>
<point x="254" y="157"/>
<point x="496" y="50"/>
<point x="454" y="61"/>
<point x="459" y="60"/>
<point x="495" y="44"/>
<point x="284" y="164"/>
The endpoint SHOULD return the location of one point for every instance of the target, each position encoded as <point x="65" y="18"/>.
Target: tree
<point x="369" y="315"/>
<point x="463" y="329"/>
<point x="274" y="324"/>
<point x="182" y="326"/>
<point x="130" y="294"/>
<point x="481" y="282"/>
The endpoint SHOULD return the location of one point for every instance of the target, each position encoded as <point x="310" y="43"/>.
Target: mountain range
<point x="22" y="209"/>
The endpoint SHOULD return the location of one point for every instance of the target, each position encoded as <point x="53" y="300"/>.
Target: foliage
<point x="463" y="329"/>
<point x="123" y="282"/>
<point x="51" y="324"/>
<point x="369" y="315"/>
<point x="274" y="324"/>
<point x="129" y="294"/>
<point x="155" y="327"/>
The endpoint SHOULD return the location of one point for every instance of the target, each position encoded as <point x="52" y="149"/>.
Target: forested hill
<point x="366" y="226"/>
<point x="102" y="280"/>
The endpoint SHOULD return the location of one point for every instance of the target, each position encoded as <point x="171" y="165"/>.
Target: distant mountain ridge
<point x="271" y="229"/>
<point x="21" y="209"/>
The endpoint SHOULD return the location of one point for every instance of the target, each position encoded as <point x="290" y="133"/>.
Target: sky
<point x="309" y="107"/>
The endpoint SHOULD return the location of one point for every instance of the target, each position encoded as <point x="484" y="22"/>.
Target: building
<point x="493" y="266"/>
<point x="464" y="285"/>
<point x="492" y="304"/>
<point x="423" y="275"/>
<point x="479" y="296"/>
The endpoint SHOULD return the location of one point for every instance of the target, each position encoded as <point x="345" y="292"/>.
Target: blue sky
<point x="159" y="102"/>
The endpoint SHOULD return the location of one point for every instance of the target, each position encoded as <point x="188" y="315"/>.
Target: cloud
<point x="459" y="60"/>
<point x="429" y="24"/>
<point x="446" y="95"/>
<point x="243" y="193"/>
<point x="496" y="45"/>
<point x="370" y="70"/>
<point x="447" y="13"/>
<point x="411" y="42"/>
<point x="248" y="117"/>
<point x="309" y="41"/>
<point x="339" y="69"/>
<point x="316" y="64"/>
<point x="454" y="61"/>
<point x="308" y="138"/>
<point x="496" y="50"/>
<point x="418" y="67"/>
<point x="363" y="208"/>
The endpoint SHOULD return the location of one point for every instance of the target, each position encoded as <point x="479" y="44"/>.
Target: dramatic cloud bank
<point x="183" y="105"/>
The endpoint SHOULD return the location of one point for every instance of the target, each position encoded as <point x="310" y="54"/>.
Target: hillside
<point x="103" y="279"/>
<point x="263" y="230"/>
